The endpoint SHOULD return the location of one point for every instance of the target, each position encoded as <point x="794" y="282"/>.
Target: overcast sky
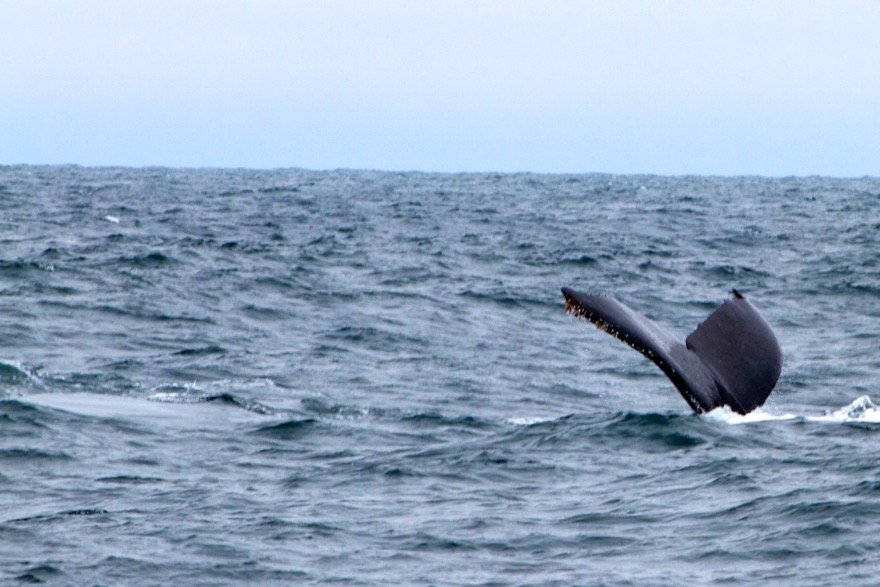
<point x="705" y="87"/>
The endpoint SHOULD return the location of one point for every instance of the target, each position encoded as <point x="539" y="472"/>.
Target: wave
<point x="292" y="429"/>
<point x="192" y="394"/>
<point x="161" y="410"/>
<point x="152" y="260"/>
<point x="654" y="431"/>
<point x="15" y="374"/>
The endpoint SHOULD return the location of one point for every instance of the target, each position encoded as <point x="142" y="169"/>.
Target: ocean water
<point x="225" y="377"/>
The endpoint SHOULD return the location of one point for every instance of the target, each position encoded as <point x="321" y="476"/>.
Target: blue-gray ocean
<point x="230" y="377"/>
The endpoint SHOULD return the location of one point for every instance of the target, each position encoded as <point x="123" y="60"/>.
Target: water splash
<point x="728" y="416"/>
<point x="861" y="409"/>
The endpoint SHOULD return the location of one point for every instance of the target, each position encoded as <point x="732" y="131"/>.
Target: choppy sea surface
<point x="224" y="377"/>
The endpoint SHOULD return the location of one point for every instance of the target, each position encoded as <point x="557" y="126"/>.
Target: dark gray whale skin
<point x="731" y="359"/>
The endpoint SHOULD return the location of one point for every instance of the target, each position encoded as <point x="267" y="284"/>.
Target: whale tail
<point x="732" y="358"/>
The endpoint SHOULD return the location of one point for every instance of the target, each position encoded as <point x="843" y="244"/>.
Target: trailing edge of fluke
<point x="731" y="359"/>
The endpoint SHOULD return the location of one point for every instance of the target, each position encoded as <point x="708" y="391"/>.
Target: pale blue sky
<point x="706" y="87"/>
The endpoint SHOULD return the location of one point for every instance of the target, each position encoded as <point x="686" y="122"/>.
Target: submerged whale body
<point x="731" y="359"/>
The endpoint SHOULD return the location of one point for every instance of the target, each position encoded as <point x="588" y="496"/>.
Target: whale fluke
<point x="731" y="359"/>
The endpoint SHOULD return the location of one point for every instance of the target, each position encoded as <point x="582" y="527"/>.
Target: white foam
<point x="728" y="416"/>
<point x="170" y="397"/>
<point x="528" y="421"/>
<point x="861" y="409"/>
<point x="177" y="393"/>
